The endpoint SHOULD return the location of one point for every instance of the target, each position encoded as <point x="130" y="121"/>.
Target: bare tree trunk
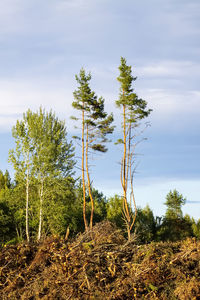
<point x="125" y="167"/>
<point x="89" y="183"/>
<point x="132" y="196"/>
<point x="83" y="171"/>
<point x="27" y="205"/>
<point x="17" y="231"/>
<point x="41" y="209"/>
<point x="129" y="232"/>
<point x="124" y="156"/>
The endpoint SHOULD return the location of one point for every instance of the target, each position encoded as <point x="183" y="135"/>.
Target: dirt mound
<point x="100" y="265"/>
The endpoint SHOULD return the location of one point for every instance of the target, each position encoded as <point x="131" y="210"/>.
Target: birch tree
<point x="45" y="154"/>
<point x="21" y="158"/>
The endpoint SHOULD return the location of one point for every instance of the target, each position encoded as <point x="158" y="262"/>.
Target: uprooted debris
<point x="100" y="264"/>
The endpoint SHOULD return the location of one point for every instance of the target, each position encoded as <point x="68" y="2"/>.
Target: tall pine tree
<point x="95" y="125"/>
<point x="133" y="109"/>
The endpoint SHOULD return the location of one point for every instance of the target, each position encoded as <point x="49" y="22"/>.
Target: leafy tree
<point x="12" y="213"/>
<point x="21" y="158"/>
<point x="52" y="153"/>
<point x="42" y="154"/>
<point x="174" y="226"/>
<point x="100" y="202"/>
<point x="145" y="225"/>
<point x="95" y="125"/>
<point x="196" y="228"/>
<point x="174" y="203"/>
<point x="134" y="110"/>
<point x="5" y="180"/>
<point x="114" y="210"/>
<point x="59" y="201"/>
<point x="2" y="181"/>
<point x="7" y="229"/>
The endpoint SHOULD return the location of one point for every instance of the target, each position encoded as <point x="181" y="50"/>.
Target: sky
<point x="43" y="44"/>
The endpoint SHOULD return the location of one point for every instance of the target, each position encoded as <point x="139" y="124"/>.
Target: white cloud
<point x="169" y="68"/>
<point x="16" y="97"/>
<point x="171" y="102"/>
<point x="173" y="111"/>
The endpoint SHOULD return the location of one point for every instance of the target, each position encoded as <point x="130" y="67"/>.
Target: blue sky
<point x="43" y="44"/>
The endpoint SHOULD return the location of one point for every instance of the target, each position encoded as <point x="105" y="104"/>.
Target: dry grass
<point x="100" y="265"/>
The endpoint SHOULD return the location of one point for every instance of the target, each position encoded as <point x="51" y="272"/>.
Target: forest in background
<point x="45" y="198"/>
<point x="63" y="210"/>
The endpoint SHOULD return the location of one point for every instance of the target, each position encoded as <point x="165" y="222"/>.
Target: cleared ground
<point x="100" y="265"/>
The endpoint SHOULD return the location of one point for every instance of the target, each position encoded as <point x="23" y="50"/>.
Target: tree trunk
<point x="27" y="205"/>
<point x="41" y="210"/>
<point x="83" y="171"/>
<point x="129" y="232"/>
<point x="89" y="184"/>
<point x="17" y="231"/>
<point x="125" y="167"/>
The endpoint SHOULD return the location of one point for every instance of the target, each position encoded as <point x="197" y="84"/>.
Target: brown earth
<point x="100" y="265"/>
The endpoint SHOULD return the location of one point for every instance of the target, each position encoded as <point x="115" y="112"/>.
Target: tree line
<point x="45" y="197"/>
<point x="63" y="209"/>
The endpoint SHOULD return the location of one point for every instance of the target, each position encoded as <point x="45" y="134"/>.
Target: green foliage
<point x="83" y="96"/>
<point x="174" y="230"/>
<point x="174" y="226"/>
<point x="114" y="210"/>
<point x="96" y="120"/>
<point x="7" y="230"/>
<point x="145" y="225"/>
<point x="14" y="199"/>
<point x="196" y="228"/>
<point x="136" y="107"/>
<point x="42" y="156"/>
<point x="100" y="203"/>
<point x="58" y="203"/>
<point x="5" y="180"/>
<point x="174" y="203"/>
<point x="41" y="145"/>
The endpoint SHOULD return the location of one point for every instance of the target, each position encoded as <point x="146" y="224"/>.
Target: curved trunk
<point x="124" y="173"/>
<point x="83" y="171"/>
<point x="89" y="184"/>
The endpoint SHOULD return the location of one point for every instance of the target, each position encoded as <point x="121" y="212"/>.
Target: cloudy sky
<point x="43" y="44"/>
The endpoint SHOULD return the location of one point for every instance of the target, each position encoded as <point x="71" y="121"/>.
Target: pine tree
<point x="174" y="202"/>
<point x="95" y="125"/>
<point x="133" y="109"/>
